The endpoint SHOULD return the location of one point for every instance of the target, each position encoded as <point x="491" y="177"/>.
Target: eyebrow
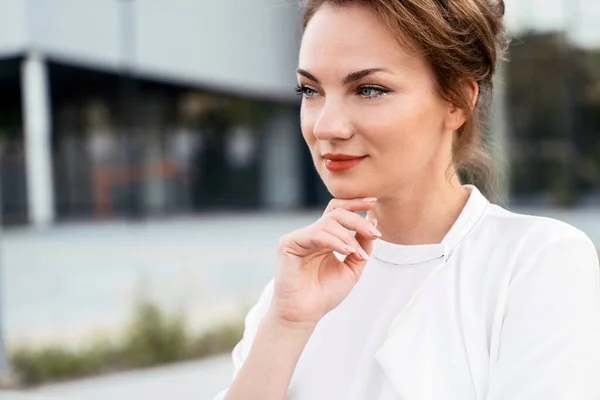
<point x="351" y="77"/>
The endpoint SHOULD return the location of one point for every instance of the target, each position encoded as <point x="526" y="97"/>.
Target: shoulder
<point x="529" y="231"/>
<point x="544" y="318"/>
<point x="527" y="241"/>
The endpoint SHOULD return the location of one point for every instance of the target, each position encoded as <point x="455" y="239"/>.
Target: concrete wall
<point x="85" y="31"/>
<point x="244" y="46"/>
<point x="240" y="44"/>
<point x="13" y="32"/>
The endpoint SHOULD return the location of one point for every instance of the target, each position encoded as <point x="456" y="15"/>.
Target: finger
<point x="333" y="227"/>
<point x="355" y="261"/>
<point x="354" y="222"/>
<point x="354" y="205"/>
<point x="325" y="240"/>
<point x="308" y="240"/>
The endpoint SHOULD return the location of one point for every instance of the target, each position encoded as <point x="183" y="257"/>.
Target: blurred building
<point x="132" y="109"/>
<point x="127" y="108"/>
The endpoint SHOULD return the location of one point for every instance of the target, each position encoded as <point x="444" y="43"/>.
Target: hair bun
<point x="501" y="8"/>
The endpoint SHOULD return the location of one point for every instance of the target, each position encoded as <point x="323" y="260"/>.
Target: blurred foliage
<point x="553" y="104"/>
<point x="57" y="363"/>
<point x="153" y="337"/>
<point x="214" y="341"/>
<point x="591" y="61"/>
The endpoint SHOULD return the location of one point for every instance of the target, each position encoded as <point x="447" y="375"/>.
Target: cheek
<point x="402" y="126"/>
<point x="306" y="126"/>
<point x="403" y="134"/>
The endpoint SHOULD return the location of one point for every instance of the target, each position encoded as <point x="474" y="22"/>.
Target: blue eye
<point x="308" y="92"/>
<point x="305" y="91"/>
<point x="372" y="91"/>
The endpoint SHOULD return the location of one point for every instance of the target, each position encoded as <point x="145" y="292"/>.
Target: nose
<point x="332" y="123"/>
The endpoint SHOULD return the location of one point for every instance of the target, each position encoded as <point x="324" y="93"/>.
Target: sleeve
<point x="550" y="337"/>
<point x="251" y="323"/>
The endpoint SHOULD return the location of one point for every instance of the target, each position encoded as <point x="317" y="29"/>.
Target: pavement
<point x="196" y="380"/>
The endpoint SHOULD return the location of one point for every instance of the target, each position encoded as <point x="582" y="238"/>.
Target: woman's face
<point x="367" y="98"/>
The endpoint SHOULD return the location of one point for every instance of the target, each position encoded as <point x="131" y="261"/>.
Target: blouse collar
<point x="408" y="255"/>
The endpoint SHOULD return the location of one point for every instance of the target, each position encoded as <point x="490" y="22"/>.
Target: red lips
<point x="341" y="162"/>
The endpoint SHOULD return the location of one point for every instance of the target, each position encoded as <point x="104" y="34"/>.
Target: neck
<point x="420" y="213"/>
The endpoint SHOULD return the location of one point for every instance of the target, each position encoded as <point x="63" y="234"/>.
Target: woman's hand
<point x="310" y="280"/>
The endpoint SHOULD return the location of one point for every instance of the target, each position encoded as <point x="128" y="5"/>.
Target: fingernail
<point x="369" y="199"/>
<point x="363" y="254"/>
<point x="350" y="249"/>
<point x="374" y="231"/>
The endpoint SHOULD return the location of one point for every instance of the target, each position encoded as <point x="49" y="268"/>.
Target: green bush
<point x="56" y="363"/>
<point x="152" y="338"/>
<point x="155" y="338"/>
<point x="217" y="341"/>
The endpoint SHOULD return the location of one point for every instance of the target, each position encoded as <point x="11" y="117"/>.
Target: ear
<point x="456" y="116"/>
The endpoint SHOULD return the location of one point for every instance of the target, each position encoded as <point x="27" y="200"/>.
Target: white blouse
<point x="506" y="307"/>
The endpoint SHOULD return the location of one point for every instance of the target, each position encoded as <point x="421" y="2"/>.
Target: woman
<point x="440" y="294"/>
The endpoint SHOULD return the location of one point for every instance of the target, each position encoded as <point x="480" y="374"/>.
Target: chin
<point x="347" y="189"/>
